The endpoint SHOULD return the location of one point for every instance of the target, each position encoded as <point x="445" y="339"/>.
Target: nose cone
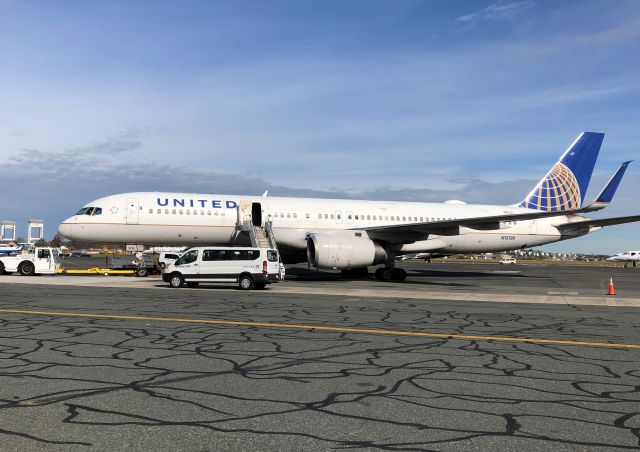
<point x="612" y="259"/>
<point x="65" y="229"/>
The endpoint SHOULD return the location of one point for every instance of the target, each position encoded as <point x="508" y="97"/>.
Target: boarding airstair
<point x="250" y="220"/>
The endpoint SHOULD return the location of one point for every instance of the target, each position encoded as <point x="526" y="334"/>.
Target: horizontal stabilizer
<point x="606" y="195"/>
<point x="600" y="223"/>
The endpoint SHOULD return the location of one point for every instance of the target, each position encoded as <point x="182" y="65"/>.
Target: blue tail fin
<point x="564" y="186"/>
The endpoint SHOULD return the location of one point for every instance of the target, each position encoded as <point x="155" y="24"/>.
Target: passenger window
<point x="214" y="255"/>
<point x="159" y="211"/>
<point x="375" y="217"/>
<point x="188" y="212"/>
<point x="356" y="217"/>
<point x="326" y="216"/>
<point x="332" y="217"/>
<point x="209" y="212"/>
<point x="173" y="211"/>
<point x="338" y="216"/>
<point x="421" y="219"/>
<point x="180" y="212"/>
<point x="195" y="212"/>
<point x="307" y="215"/>
<point x="404" y="218"/>
<point x="349" y="217"/>
<point x="272" y="255"/>
<point x="295" y="215"/>
<point x="368" y="217"/>
<point x="288" y="215"/>
<point x="150" y="210"/>
<point x="238" y="255"/>
<point x="415" y="218"/>
<point x="252" y="255"/>
<point x="166" y="211"/>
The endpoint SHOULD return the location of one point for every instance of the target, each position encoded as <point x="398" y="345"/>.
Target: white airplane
<point x="353" y="234"/>
<point x="629" y="256"/>
<point x="12" y="248"/>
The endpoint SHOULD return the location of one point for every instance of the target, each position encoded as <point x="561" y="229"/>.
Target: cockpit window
<point x="90" y="211"/>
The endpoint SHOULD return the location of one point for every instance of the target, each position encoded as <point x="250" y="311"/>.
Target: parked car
<point x="167" y="258"/>
<point x="508" y="261"/>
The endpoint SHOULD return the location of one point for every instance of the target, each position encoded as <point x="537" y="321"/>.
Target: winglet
<point x="606" y="195"/>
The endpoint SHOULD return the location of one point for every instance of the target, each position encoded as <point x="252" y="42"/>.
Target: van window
<point x="170" y="256"/>
<point x="238" y="255"/>
<point x="215" y="255"/>
<point x="272" y="255"/>
<point x="42" y="254"/>
<point x="188" y="257"/>
<point x="252" y="255"/>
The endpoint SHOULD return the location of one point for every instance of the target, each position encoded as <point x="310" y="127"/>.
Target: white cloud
<point x="501" y="11"/>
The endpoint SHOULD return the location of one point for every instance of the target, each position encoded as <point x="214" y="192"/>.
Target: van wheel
<point x="163" y="265"/>
<point x="246" y="282"/>
<point x="192" y="284"/>
<point x="176" y="280"/>
<point x="27" y="269"/>
<point x="2" y="270"/>
<point x="261" y="285"/>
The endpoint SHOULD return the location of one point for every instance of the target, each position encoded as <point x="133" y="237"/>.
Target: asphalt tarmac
<point x="114" y="368"/>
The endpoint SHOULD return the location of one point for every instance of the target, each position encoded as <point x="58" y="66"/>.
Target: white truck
<point x="40" y="261"/>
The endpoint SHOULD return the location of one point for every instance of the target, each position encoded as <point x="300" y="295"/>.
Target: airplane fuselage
<point x="153" y="218"/>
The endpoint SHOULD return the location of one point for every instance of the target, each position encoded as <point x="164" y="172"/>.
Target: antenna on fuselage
<point x="266" y="192"/>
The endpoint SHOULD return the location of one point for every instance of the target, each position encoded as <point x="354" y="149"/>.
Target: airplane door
<point x="533" y="227"/>
<point x="133" y="210"/>
<point x="338" y="216"/>
<point x="245" y="209"/>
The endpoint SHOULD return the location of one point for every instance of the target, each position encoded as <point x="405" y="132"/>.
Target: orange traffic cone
<point x="612" y="290"/>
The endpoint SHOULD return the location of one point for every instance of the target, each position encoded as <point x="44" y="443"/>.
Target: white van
<point x="248" y="267"/>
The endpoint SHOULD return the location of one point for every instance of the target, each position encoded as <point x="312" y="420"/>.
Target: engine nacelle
<point x="344" y="249"/>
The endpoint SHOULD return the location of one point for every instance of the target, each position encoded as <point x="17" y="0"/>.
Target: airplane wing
<point x="418" y="231"/>
<point x="601" y="222"/>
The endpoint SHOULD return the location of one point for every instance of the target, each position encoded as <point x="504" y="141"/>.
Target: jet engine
<point x="343" y="249"/>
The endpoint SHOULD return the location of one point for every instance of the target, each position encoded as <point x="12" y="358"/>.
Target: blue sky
<point x="415" y="100"/>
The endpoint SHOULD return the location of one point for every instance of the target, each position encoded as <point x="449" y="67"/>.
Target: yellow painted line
<point x="329" y="328"/>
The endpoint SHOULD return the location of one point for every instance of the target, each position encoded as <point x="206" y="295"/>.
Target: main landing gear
<point x="391" y="274"/>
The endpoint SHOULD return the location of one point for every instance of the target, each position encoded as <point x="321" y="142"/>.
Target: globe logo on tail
<point x="558" y="191"/>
